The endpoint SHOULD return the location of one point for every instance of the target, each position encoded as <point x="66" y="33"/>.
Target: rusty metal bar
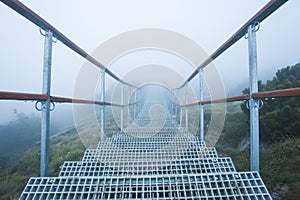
<point x="40" y="22"/>
<point x="22" y="96"/>
<point x="229" y="99"/>
<point x="292" y="92"/>
<point x="82" y="101"/>
<point x="262" y="14"/>
<point x="43" y="97"/>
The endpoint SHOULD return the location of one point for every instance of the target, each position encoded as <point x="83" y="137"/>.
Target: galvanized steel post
<point x="253" y="104"/>
<point x="138" y="98"/>
<point x="180" y="116"/>
<point x="176" y="107"/>
<point x="141" y="100"/>
<point x="135" y="105"/>
<point x="122" y="108"/>
<point x="103" y="106"/>
<point x="45" y="121"/>
<point x="186" y="110"/>
<point x="201" y="106"/>
<point x="176" y="113"/>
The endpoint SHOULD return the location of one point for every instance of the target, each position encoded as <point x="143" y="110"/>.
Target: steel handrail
<point x="291" y="92"/>
<point x="262" y="14"/>
<point x="43" y="97"/>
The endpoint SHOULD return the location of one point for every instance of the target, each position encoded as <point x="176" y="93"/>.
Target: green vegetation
<point x="22" y="133"/>
<point x="235" y="128"/>
<point x="279" y="118"/>
<point x="279" y="166"/>
<point x="17" y="168"/>
<point x="19" y="135"/>
<point x="279" y="136"/>
<point x="14" y="177"/>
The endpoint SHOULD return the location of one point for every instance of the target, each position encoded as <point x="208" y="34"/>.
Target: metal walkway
<point x="154" y="157"/>
<point x="146" y="161"/>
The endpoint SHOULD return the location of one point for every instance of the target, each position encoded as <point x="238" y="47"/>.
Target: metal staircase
<point x="145" y="161"/>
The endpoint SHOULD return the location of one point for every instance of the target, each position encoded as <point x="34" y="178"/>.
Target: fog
<point x="90" y="24"/>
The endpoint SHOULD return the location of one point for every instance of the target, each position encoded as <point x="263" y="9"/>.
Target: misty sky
<point x="90" y="23"/>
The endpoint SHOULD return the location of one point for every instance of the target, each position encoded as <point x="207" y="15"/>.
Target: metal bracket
<point x="257" y="27"/>
<point x="37" y="107"/>
<point x="257" y="104"/>
<point x="43" y="33"/>
<point x="54" y="39"/>
<point x="260" y="104"/>
<point x="41" y="107"/>
<point x="53" y="106"/>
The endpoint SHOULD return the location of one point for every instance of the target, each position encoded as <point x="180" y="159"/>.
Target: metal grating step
<point x="237" y="185"/>
<point x="117" y="155"/>
<point x="184" y="166"/>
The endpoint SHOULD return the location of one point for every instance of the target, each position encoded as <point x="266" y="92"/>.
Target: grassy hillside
<point x="279" y="167"/>
<point x="279" y="162"/>
<point x="14" y="178"/>
<point x="15" y="171"/>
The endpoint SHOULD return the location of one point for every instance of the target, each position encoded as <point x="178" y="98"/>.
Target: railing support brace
<point x="253" y="104"/>
<point x="45" y="121"/>
<point x="103" y="106"/>
<point x="201" y="106"/>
